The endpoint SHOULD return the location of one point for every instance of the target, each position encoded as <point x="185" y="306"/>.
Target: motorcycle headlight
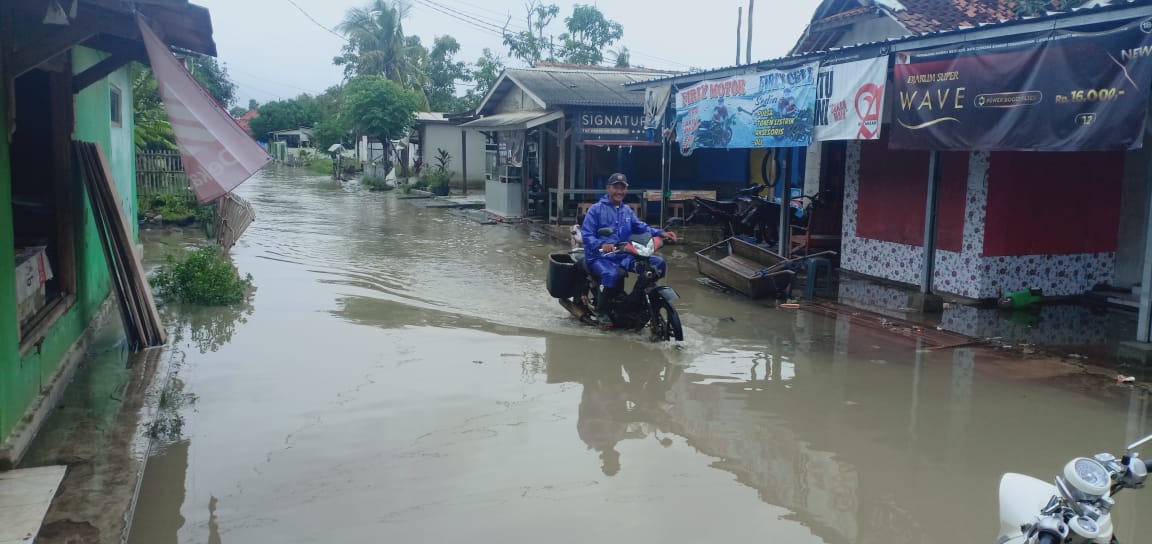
<point x="1088" y="476"/>
<point x="645" y="250"/>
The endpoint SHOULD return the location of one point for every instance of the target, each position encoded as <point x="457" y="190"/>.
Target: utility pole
<point x="748" y="50"/>
<point x="739" y="27"/>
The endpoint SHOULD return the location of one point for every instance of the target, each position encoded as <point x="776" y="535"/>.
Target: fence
<point x="161" y="173"/>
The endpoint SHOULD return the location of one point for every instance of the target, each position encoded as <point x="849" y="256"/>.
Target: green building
<point x="65" y="78"/>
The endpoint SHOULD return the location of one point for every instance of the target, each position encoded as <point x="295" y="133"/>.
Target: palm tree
<point x="377" y="45"/>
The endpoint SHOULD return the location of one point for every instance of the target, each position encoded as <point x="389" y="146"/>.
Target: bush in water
<point x="201" y="277"/>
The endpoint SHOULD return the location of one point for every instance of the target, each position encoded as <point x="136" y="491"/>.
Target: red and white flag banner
<point x="217" y="154"/>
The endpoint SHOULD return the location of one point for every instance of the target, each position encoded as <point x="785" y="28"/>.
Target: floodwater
<point x="401" y="375"/>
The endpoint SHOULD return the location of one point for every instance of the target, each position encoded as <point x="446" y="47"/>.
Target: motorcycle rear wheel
<point x="666" y="324"/>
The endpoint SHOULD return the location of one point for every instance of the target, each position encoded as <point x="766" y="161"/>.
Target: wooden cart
<point x="747" y="268"/>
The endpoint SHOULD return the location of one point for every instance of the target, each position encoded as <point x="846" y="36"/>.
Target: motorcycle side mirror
<point x="605" y="231"/>
<point x="1139" y="443"/>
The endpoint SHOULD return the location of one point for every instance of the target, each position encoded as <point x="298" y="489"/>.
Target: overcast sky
<point x="273" y="49"/>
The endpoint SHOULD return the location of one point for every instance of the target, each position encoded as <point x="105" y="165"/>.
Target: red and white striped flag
<point x="218" y="155"/>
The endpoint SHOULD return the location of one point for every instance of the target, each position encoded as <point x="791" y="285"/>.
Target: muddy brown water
<point x="401" y="375"/>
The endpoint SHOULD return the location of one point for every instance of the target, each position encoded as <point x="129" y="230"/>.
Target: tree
<point x="377" y="45"/>
<point x="530" y="45"/>
<point x="331" y="128"/>
<point x="377" y="106"/>
<point x="253" y="104"/>
<point x="623" y="58"/>
<point x="237" y="112"/>
<point x="152" y="130"/>
<point x="283" y="115"/>
<point x="485" y="73"/>
<point x="214" y="78"/>
<point x="588" y="34"/>
<point x="443" y="73"/>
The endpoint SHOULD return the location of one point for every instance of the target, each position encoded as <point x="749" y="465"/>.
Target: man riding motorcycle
<point x="600" y="252"/>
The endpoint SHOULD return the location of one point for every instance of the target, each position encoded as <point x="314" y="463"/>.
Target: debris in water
<point x="729" y="319"/>
<point x="790" y="305"/>
<point x="1120" y="378"/>
<point x="477" y="362"/>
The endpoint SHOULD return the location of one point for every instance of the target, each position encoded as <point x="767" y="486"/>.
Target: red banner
<point x="218" y="155"/>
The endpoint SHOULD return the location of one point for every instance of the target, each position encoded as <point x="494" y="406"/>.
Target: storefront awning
<point x="520" y="120"/>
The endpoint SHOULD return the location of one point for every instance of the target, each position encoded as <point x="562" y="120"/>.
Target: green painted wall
<point x="22" y="380"/>
<point x="9" y="335"/>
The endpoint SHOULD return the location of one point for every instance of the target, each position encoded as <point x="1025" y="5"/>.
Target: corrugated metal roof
<point x="567" y="87"/>
<point x="1090" y="14"/>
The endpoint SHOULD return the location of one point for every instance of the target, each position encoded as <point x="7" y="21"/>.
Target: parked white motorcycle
<point x="1078" y="509"/>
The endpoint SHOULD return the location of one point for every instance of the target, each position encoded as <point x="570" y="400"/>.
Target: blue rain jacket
<point x="603" y="214"/>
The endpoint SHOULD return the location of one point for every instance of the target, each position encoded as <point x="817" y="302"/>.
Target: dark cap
<point x="618" y="178"/>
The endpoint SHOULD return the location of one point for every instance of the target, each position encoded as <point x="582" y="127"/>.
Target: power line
<point x="281" y="83"/>
<point x="499" y="24"/>
<point x="490" y="28"/>
<point x="317" y="23"/>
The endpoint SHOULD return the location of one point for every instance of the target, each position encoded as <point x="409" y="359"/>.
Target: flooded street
<point x="401" y="375"/>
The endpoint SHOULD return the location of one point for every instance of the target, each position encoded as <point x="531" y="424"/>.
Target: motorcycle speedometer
<point x="1088" y="476"/>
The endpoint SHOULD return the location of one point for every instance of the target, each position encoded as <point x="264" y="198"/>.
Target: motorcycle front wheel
<point x="666" y="323"/>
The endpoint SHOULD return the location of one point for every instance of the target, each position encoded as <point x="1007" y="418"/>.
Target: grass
<point x="202" y="277"/>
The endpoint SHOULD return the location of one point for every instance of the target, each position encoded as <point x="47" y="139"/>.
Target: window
<point x="42" y="212"/>
<point x="114" y="97"/>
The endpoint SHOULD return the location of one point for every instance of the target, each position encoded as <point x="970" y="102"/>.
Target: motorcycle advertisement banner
<point x="766" y="109"/>
<point x="1058" y="91"/>
<point x="850" y="99"/>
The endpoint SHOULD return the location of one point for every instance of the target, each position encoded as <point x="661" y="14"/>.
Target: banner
<point x="655" y="104"/>
<point x="1061" y="91"/>
<point x="768" y="109"/>
<point x="217" y="154"/>
<point x="850" y="99"/>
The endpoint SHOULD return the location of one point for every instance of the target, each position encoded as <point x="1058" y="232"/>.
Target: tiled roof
<point x="925" y="16"/>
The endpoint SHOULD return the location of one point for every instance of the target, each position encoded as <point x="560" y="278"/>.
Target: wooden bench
<point x="656" y="196"/>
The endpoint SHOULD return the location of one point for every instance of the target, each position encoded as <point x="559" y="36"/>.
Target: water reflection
<point x="206" y="328"/>
<point x="456" y="401"/>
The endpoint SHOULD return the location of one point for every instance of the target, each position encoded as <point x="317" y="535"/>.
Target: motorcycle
<point x="1078" y="508"/>
<point x="746" y="214"/>
<point x="648" y="304"/>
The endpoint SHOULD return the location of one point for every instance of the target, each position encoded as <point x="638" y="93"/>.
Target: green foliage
<point x="588" y="34"/>
<point x="168" y="426"/>
<point x="320" y="165"/>
<point x="213" y="76"/>
<point x="172" y="207"/>
<point x="377" y="106"/>
<point x="375" y="183"/>
<point x="152" y="130"/>
<point x="284" y="115"/>
<point x="436" y="179"/>
<point x="443" y="73"/>
<point x="530" y="45"/>
<point x="487" y="70"/>
<point x="377" y="45"/>
<point x="203" y="277"/>
<point x="1028" y="8"/>
<point x="623" y="58"/>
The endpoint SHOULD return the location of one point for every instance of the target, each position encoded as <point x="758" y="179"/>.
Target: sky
<point x="278" y="49"/>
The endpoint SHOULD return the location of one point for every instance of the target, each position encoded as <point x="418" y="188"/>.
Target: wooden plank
<point x="135" y="268"/>
<point x="132" y="326"/>
<point x="123" y="258"/>
<point x="655" y="196"/>
<point x="25" y="495"/>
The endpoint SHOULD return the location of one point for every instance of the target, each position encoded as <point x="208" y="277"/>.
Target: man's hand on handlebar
<point x="607" y="248"/>
<point x="669" y="235"/>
